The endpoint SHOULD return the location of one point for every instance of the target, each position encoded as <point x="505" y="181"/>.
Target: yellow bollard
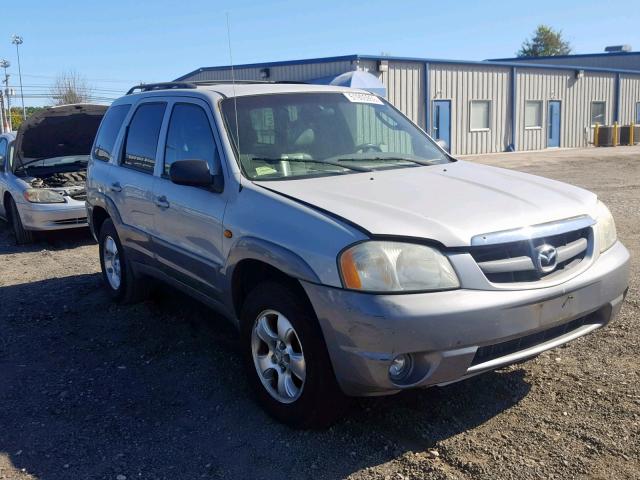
<point x="595" y="134"/>
<point x="631" y="129"/>
<point x="615" y="134"/>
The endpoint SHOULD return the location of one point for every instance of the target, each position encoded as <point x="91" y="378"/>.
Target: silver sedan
<point x="43" y="170"/>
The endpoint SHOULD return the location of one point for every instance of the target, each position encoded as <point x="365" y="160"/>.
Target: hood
<point x="447" y="203"/>
<point x="61" y="131"/>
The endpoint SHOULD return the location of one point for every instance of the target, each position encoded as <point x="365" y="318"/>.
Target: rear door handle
<point x="116" y="187"/>
<point x="162" y="202"/>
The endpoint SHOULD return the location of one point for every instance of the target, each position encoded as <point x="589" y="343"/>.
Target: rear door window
<point x="190" y="137"/>
<point x="142" y="137"/>
<point x="108" y="131"/>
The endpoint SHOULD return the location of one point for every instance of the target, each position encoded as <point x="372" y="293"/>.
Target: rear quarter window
<point x="108" y="132"/>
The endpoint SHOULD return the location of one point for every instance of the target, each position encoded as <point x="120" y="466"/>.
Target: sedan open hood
<point x="61" y="131"/>
<point x="448" y="203"/>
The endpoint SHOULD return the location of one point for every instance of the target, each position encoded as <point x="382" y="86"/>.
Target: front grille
<point x="514" y="261"/>
<point x="497" y="350"/>
<point x="72" y="221"/>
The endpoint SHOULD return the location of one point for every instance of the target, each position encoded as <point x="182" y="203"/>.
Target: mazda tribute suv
<point x="355" y="256"/>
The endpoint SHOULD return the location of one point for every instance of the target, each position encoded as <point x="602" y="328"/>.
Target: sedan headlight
<point x="605" y="227"/>
<point x="380" y="266"/>
<point x="42" y="195"/>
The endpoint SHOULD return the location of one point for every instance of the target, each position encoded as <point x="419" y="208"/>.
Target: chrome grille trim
<point x="534" y="231"/>
<point x="71" y="221"/>
<point x="524" y="263"/>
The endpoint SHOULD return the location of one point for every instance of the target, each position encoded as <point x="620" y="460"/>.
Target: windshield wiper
<point x="302" y="160"/>
<point x="385" y="159"/>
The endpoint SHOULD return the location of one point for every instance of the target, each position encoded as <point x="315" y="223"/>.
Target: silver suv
<point x="355" y="256"/>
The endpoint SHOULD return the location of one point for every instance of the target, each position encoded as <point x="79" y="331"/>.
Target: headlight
<point x="379" y="266"/>
<point x="42" y="195"/>
<point x="605" y="227"/>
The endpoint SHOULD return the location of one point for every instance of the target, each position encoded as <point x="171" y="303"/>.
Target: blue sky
<point x="117" y="43"/>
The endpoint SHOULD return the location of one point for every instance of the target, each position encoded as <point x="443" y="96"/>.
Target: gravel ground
<point x="89" y="389"/>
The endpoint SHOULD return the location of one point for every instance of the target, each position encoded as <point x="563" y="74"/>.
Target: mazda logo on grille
<point x="546" y="258"/>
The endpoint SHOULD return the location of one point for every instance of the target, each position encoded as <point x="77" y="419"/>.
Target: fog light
<point x="400" y="367"/>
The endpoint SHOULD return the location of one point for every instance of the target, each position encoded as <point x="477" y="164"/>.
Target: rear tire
<point x="22" y="235"/>
<point x="122" y="283"/>
<point x="290" y="371"/>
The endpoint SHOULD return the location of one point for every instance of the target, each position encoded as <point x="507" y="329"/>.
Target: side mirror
<point x="442" y="144"/>
<point x="195" y="173"/>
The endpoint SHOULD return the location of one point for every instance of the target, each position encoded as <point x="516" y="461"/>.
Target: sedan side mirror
<point x="194" y="173"/>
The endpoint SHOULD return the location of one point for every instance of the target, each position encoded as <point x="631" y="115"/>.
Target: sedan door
<point x="132" y="192"/>
<point x="189" y="228"/>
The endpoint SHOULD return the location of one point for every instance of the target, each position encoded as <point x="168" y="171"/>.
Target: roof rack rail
<point x="224" y="82"/>
<point x="258" y="82"/>
<point x="148" y="87"/>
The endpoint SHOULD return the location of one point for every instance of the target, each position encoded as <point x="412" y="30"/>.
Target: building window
<point x="598" y="113"/>
<point x="480" y="114"/>
<point x="533" y="114"/>
<point x="638" y="112"/>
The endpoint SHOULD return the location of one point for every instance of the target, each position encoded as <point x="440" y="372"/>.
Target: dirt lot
<point x="92" y="390"/>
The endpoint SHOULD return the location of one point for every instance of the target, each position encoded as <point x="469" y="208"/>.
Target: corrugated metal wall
<point x="463" y="83"/>
<point x="300" y="72"/>
<point x="629" y="98"/>
<point x="405" y="88"/>
<point x="404" y="82"/>
<point x="623" y="62"/>
<point x="575" y="95"/>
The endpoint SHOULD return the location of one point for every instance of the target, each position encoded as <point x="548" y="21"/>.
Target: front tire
<point x="22" y="235"/>
<point x="287" y="360"/>
<point x="119" y="277"/>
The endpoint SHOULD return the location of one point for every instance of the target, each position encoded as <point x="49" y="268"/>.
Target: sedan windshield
<point x="54" y="163"/>
<point x="298" y="135"/>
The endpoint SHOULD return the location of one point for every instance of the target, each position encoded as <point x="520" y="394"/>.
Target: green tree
<point x="16" y="115"/>
<point x="546" y="42"/>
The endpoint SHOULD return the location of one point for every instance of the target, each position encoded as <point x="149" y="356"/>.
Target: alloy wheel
<point x="111" y="258"/>
<point x="278" y="356"/>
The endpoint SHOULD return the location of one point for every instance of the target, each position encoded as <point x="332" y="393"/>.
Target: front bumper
<point x="456" y="334"/>
<point x="53" y="216"/>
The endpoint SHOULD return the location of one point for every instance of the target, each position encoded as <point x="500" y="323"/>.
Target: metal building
<point x="477" y="107"/>
<point x="622" y="59"/>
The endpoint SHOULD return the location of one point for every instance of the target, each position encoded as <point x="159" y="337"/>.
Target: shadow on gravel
<point x="89" y="389"/>
<point x="55" y="240"/>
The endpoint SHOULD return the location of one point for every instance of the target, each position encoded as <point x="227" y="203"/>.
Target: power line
<point x="104" y="80"/>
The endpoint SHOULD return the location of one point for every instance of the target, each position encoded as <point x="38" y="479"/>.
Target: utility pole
<point x="5" y="64"/>
<point x="17" y="41"/>
<point x="3" y="124"/>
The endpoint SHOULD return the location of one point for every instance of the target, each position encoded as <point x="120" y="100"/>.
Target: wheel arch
<point x="100" y="208"/>
<point x="253" y="261"/>
<point x="5" y="203"/>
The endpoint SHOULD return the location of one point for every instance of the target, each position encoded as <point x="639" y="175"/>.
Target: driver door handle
<point x="116" y="187"/>
<point x="162" y="202"/>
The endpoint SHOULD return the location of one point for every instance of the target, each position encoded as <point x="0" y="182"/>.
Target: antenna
<point x="233" y="84"/>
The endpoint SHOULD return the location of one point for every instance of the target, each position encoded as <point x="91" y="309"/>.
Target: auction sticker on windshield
<point x="358" y="97"/>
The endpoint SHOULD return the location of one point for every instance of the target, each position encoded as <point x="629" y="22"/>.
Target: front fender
<point x="252" y="248"/>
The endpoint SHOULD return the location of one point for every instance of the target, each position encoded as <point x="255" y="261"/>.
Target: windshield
<point x="301" y="135"/>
